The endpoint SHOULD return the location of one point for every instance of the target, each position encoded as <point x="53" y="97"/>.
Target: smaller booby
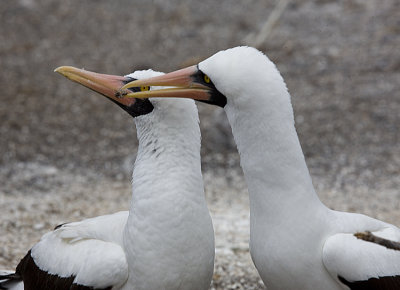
<point x="296" y="242"/>
<point x="165" y="240"/>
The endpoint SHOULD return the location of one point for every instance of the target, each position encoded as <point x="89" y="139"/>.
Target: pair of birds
<point x="166" y="239"/>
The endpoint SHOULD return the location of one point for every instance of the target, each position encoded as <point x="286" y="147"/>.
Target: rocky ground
<point x="66" y="153"/>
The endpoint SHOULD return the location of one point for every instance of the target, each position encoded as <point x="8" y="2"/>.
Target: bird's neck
<point x="167" y="164"/>
<point x="275" y="170"/>
<point x="168" y="214"/>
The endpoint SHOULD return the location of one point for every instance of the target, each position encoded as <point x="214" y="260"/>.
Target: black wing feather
<point x="35" y="278"/>
<point x="380" y="283"/>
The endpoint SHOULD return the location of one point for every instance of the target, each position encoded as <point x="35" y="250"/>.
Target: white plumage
<point x="166" y="240"/>
<point x="91" y="250"/>
<point x="296" y="242"/>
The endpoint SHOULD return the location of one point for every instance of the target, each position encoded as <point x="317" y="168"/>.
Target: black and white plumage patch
<point x="10" y="280"/>
<point x="85" y="255"/>
<point x="380" y="283"/>
<point x="375" y="283"/>
<point x="364" y="260"/>
<point x="34" y="278"/>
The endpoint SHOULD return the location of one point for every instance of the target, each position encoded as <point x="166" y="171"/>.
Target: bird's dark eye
<point x="206" y="78"/>
<point x="145" y="88"/>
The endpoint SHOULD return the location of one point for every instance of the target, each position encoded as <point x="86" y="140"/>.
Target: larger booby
<point x="165" y="241"/>
<point x="296" y="242"/>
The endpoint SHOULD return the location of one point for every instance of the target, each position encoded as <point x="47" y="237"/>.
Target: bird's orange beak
<point x="107" y="85"/>
<point x="189" y="82"/>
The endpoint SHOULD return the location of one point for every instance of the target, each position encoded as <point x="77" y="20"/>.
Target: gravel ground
<point x="65" y="157"/>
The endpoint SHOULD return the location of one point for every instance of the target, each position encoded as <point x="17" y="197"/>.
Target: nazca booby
<point x="166" y="240"/>
<point x="296" y="242"/>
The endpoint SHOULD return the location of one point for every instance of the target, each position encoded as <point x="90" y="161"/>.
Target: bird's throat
<point x="272" y="160"/>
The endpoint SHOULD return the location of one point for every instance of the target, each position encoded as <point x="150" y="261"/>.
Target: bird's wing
<point x="364" y="260"/>
<point x="108" y="228"/>
<point x="81" y="255"/>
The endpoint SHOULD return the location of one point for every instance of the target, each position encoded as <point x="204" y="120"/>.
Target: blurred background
<point x="67" y="153"/>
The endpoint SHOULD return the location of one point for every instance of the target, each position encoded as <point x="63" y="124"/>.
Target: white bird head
<point x="234" y="76"/>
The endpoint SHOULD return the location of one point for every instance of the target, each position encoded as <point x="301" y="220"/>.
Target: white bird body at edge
<point x="296" y="242"/>
<point x="166" y="240"/>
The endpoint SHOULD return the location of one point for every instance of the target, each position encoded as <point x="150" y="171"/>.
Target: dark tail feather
<point x="11" y="276"/>
<point x="6" y="278"/>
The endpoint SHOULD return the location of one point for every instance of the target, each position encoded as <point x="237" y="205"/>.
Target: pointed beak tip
<point x="59" y="69"/>
<point x="63" y="70"/>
